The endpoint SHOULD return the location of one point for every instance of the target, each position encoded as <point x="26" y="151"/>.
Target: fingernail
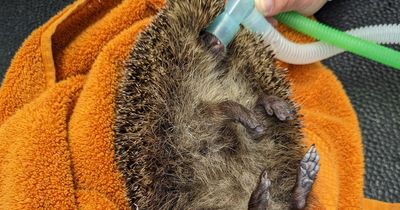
<point x="273" y="22"/>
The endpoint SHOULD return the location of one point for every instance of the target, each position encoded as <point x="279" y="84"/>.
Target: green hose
<point x="341" y="39"/>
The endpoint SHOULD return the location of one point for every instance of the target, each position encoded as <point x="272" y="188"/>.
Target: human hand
<point x="272" y="7"/>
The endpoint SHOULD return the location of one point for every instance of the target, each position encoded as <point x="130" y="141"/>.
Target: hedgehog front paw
<point x="275" y="105"/>
<point x="309" y="167"/>
<point x="236" y="112"/>
<point x="260" y="196"/>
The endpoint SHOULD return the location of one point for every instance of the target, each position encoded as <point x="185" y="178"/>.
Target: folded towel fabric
<point x="57" y="113"/>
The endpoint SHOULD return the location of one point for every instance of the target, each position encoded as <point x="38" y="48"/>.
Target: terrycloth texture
<point x="56" y="115"/>
<point x="64" y="159"/>
<point x="373" y="90"/>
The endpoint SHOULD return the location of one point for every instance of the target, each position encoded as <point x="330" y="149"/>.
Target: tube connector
<point x="227" y="24"/>
<point x="224" y="27"/>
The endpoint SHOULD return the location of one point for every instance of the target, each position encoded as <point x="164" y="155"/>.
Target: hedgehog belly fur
<point x="174" y="154"/>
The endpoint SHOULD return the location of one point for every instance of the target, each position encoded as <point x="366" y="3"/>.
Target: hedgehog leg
<point x="275" y="105"/>
<point x="212" y="43"/>
<point x="260" y="196"/>
<point x="308" y="169"/>
<point x="236" y="112"/>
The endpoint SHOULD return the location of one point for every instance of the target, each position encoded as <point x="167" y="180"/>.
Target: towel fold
<point x="57" y="113"/>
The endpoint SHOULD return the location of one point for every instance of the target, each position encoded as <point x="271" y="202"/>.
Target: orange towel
<point x="56" y="115"/>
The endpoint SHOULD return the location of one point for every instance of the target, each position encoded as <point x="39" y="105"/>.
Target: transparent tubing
<point x="295" y="53"/>
<point x="243" y="12"/>
<point x="365" y="48"/>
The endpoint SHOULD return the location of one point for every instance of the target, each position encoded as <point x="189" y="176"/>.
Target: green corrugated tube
<point x="341" y="39"/>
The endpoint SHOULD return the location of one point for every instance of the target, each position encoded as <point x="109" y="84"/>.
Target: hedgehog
<point x="202" y="126"/>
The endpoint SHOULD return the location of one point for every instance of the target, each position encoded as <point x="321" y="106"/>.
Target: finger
<point x="265" y="6"/>
<point x="306" y="7"/>
<point x="272" y="7"/>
